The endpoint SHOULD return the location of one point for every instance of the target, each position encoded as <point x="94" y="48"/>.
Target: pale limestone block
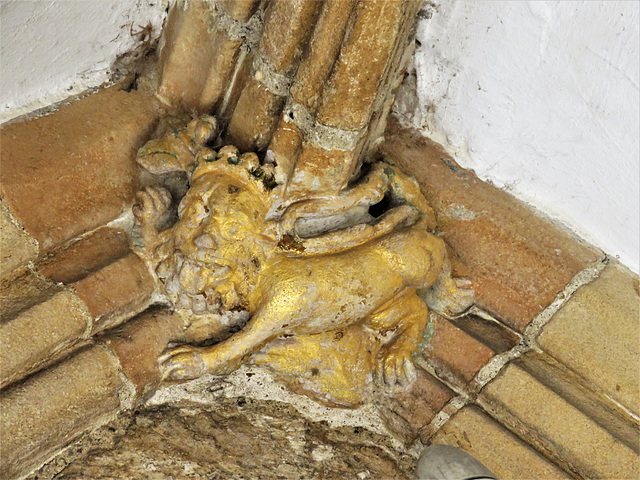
<point x="557" y="427"/>
<point x="597" y="334"/>
<point x="31" y="339"/>
<point x="495" y="447"/>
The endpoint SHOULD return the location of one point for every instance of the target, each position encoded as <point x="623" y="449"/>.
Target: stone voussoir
<point x="563" y="433"/>
<point x="85" y="255"/>
<point x="43" y="414"/>
<point x="370" y="44"/>
<point x="453" y="354"/>
<point x="41" y="334"/>
<point x="596" y="335"/>
<point x="323" y="50"/>
<point x="138" y="344"/>
<point x="186" y="54"/>
<point x="239" y="10"/>
<point x="255" y="117"/>
<point x="117" y="292"/>
<point x="296" y="17"/>
<point x="82" y="173"/>
<point x="504" y="454"/>
<point x="517" y="260"/>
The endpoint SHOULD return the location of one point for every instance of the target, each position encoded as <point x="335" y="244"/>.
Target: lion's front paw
<point x="395" y="369"/>
<point x="451" y="297"/>
<point x="183" y="363"/>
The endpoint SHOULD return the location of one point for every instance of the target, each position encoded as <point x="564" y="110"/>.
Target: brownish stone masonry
<point x="538" y="380"/>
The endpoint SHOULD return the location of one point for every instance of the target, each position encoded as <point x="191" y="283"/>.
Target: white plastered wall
<point x="539" y="97"/>
<point x="53" y="49"/>
<point x="542" y="99"/>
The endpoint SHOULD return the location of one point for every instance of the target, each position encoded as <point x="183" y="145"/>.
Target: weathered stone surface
<point x="255" y="117"/>
<point x="495" y="447"/>
<point x="89" y="254"/>
<point x="240" y="10"/>
<point x="17" y="247"/>
<point x="35" y="335"/>
<point x="319" y="171"/>
<point x="43" y="414"/>
<point x="580" y="393"/>
<point x="23" y="289"/>
<point x="139" y="343"/>
<point x="186" y="55"/>
<point x="285" y="148"/>
<point x="117" y="292"/>
<point x="455" y="355"/>
<point x="322" y="53"/>
<point x="564" y="433"/>
<point x="295" y="17"/>
<point x="221" y="70"/>
<point x="517" y="260"/>
<point x="236" y="438"/>
<point x="408" y="412"/>
<point x="81" y="170"/>
<point x="596" y="335"/>
<point x="361" y="65"/>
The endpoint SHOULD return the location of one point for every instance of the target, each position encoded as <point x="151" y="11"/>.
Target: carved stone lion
<point x="238" y="259"/>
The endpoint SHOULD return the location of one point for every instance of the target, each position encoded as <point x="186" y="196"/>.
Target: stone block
<point x="139" y="343"/>
<point x="361" y="64"/>
<point x="495" y="447"/>
<point x="319" y="171"/>
<point x="43" y="414"/>
<point x="255" y="117"/>
<point x="37" y="335"/>
<point x="406" y="413"/>
<point x="285" y="148"/>
<point x="454" y="354"/>
<point x="596" y="335"/>
<point x="21" y="290"/>
<point x="322" y="53"/>
<point x="186" y="54"/>
<point x="17" y="247"/>
<point x="222" y="67"/>
<point x="580" y="393"/>
<point x="89" y="254"/>
<point x="81" y="164"/>
<point x="287" y="28"/>
<point x="117" y="292"/>
<point x="517" y="260"/>
<point x="563" y="433"/>
<point x="239" y="10"/>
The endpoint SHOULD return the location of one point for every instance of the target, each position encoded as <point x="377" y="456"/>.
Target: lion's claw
<point x="182" y="363"/>
<point x="450" y="297"/>
<point x="395" y="371"/>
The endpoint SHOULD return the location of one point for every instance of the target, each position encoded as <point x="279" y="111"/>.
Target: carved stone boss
<point x="255" y="276"/>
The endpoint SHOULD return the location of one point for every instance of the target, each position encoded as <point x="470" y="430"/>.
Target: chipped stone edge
<point x="258" y="384"/>
<point x="29" y="240"/>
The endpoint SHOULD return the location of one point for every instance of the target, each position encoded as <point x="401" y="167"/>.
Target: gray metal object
<point x="443" y="462"/>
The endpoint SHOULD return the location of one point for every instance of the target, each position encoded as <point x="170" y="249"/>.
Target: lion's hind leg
<point x="405" y="317"/>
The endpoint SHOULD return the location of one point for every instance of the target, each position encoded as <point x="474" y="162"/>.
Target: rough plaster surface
<point x="542" y="99"/>
<point x="50" y="50"/>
